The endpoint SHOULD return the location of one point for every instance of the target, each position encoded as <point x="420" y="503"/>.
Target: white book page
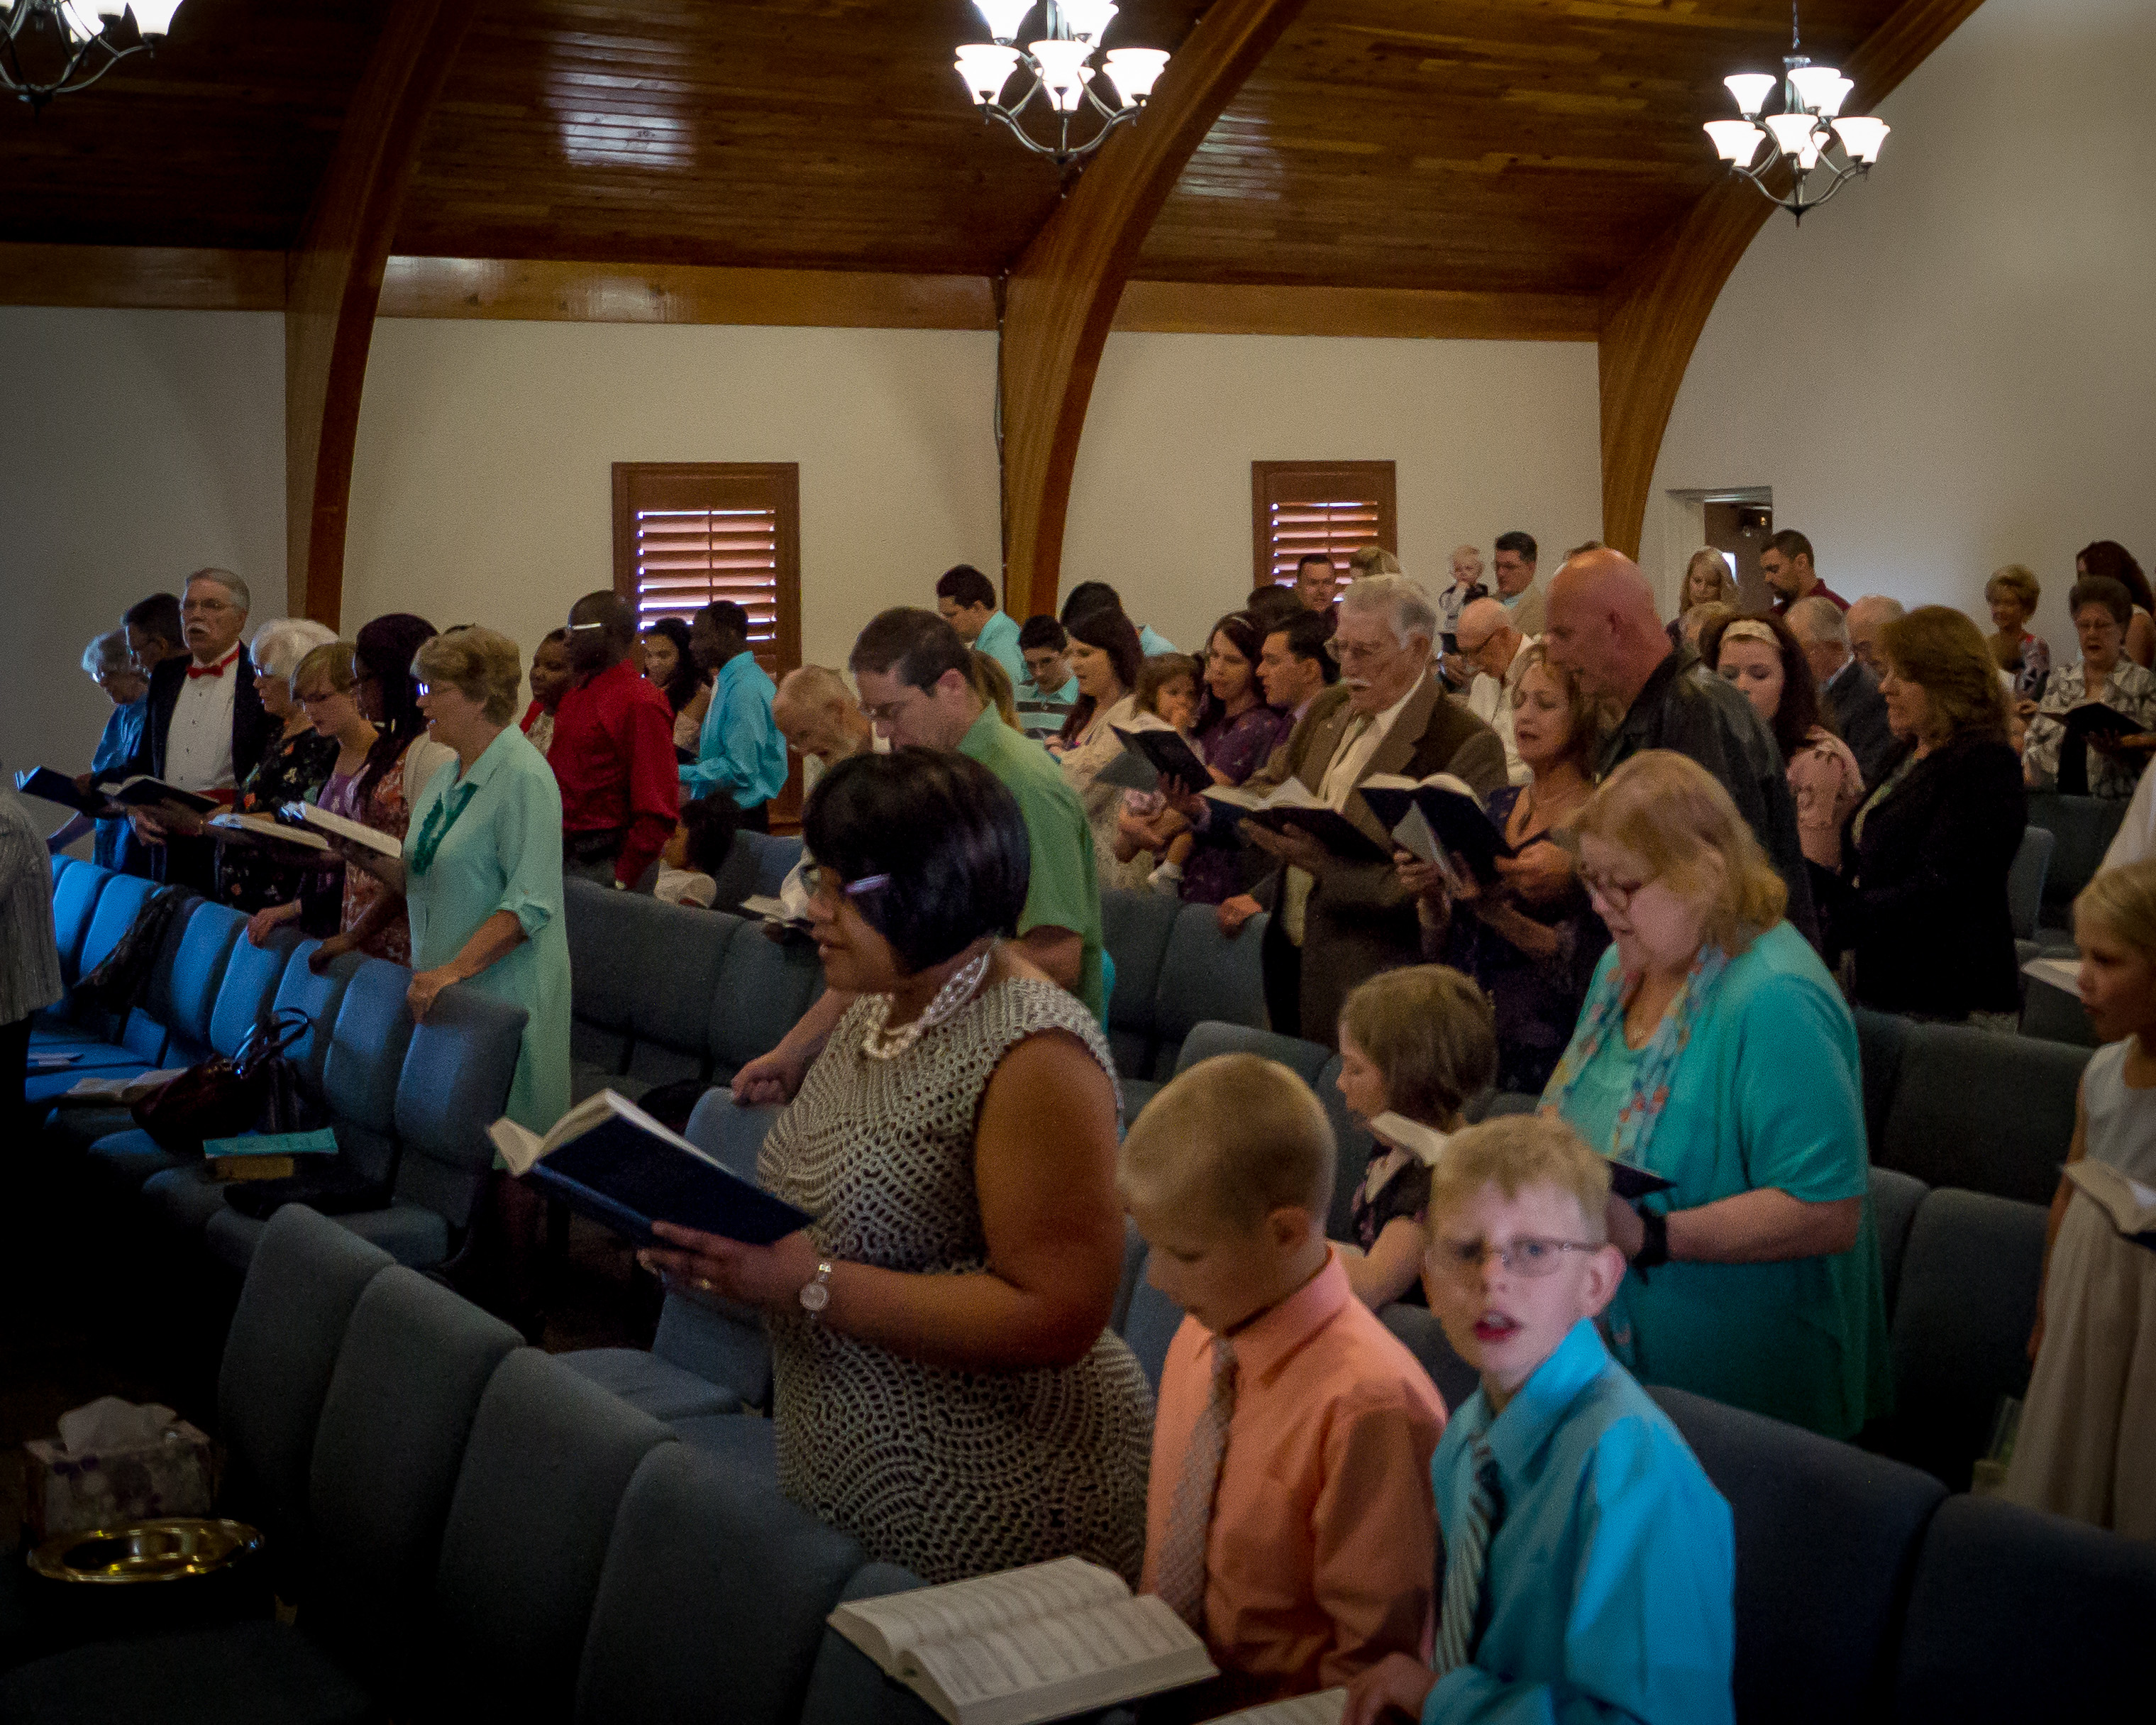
<point x="959" y="1609"/>
<point x="1325" y="1708"/>
<point x="338" y="826"/>
<point x="269" y="829"/>
<point x="1051" y="1651"/>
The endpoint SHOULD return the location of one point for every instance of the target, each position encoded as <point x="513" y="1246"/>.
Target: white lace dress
<point x="949" y="1473"/>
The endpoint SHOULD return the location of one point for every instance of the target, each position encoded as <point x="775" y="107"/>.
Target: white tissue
<point x="109" y="1424"/>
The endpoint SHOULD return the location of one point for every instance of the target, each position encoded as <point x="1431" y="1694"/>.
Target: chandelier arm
<point x="1110" y="115"/>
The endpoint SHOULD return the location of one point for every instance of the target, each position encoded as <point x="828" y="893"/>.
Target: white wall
<point x="483" y="487"/>
<point x="1953" y="366"/>
<point x="1487" y="436"/>
<point x="136" y="446"/>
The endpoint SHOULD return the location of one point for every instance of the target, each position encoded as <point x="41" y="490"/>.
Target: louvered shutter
<point x="1336" y="507"/>
<point x="688" y="533"/>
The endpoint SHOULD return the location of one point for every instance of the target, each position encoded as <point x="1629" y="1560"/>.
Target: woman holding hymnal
<point x="946" y="1388"/>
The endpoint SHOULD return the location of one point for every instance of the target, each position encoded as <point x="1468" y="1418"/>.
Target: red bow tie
<point x="212" y="670"/>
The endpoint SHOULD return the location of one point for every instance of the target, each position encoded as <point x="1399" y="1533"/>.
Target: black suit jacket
<point x="251" y="727"/>
<point x="1857" y="710"/>
<point x="1926" y="910"/>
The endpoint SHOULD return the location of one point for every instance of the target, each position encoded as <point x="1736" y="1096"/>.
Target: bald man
<point x="1497" y="650"/>
<point x="821" y="719"/>
<point x="1602" y="624"/>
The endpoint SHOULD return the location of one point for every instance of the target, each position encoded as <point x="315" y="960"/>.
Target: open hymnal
<point x="1426" y="1144"/>
<point x="1027" y="1645"/>
<point x="1294" y="804"/>
<point x="1165" y="749"/>
<point x="303" y="815"/>
<point x="1328" y="1707"/>
<point x="1437" y="820"/>
<point x="262" y="830"/>
<point x="140" y="791"/>
<point x="2131" y="1205"/>
<point x="119" y="1092"/>
<point x="2064" y="975"/>
<point x="773" y="912"/>
<point x="610" y="1160"/>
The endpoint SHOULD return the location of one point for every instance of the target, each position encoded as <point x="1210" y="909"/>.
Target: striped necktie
<point x="1179" y="1577"/>
<point x="1465" y="1557"/>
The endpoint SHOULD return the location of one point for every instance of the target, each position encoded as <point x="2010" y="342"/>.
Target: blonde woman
<point x="1715" y="1051"/>
<point x="1707" y="582"/>
<point x="2013" y="593"/>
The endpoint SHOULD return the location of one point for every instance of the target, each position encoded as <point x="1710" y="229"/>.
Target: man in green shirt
<point x="911" y="665"/>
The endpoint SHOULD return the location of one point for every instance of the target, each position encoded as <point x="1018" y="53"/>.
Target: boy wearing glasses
<point x="1288" y="1518"/>
<point x="1590" y="1568"/>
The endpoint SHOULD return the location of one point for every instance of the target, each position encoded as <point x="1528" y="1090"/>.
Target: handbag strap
<point x="271" y="1037"/>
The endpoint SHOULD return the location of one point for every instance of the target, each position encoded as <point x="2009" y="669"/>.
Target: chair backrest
<point x="1882" y="1038"/>
<point x="415" y="1362"/>
<point x="1150" y="1321"/>
<point x="1133" y="1272"/>
<point x="306" y="1275"/>
<point x="550" y="1457"/>
<point x="715" y="1591"/>
<point x="245" y="999"/>
<point x="2025" y="880"/>
<point x="454" y="1083"/>
<point x="2017" y="1616"/>
<point x="720" y="1341"/>
<point x="1424" y="1336"/>
<point x="602" y="992"/>
<point x="1204" y="977"/>
<point x="1990" y="1113"/>
<point x="318" y="997"/>
<point x="764" y="987"/>
<point x="678" y="953"/>
<point x="365" y="1061"/>
<point x="720" y="1127"/>
<point x="1962" y="1317"/>
<point x="184" y="997"/>
<point x="1895" y="1198"/>
<point x="2055" y="1014"/>
<point x="1352" y="1147"/>
<point x="1135" y="930"/>
<point x="847" y="1687"/>
<point x="775" y="854"/>
<point x="2082" y="829"/>
<point x="1827" y="1539"/>
<point x="75" y="895"/>
<point x="1308" y="1061"/>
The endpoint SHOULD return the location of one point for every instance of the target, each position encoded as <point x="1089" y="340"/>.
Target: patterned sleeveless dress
<point x="949" y="1473"/>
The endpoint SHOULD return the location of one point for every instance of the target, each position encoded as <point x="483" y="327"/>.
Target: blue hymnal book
<point x="607" y="1159"/>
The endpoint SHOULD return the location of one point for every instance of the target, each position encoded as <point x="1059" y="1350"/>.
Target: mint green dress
<point x="502" y="851"/>
<point x="1767" y="1093"/>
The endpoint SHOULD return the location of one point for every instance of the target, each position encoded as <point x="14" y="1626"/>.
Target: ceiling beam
<point x="334" y="281"/>
<point x="1061" y="296"/>
<point x="1652" y="314"/>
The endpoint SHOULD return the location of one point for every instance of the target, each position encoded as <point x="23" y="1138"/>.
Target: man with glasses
<point x="1338" y="919"/>
<point x="911" y="668"/>
<point x="1489" y="642"/>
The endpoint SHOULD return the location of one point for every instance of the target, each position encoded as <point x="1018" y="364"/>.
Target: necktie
<point x="1465" y="1557"/>
<point x="1294" y="893"/>
<point x="212" y="670"/>
<point x="1180" y="1577"/>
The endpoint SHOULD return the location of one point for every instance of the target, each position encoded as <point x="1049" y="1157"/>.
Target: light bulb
<point x="154" y="17"/>
<point x="1086" y="19"/>
<point x="1005" y="17"/>
<point x="1136" y="70"/>
<point x="1861" y="136"/>
<point x="82" y="18"/>
<point x="1736" y="141"/>
<point x="1061" y="69"/>
<point x="1792" y="131"/>
<point x="1814" y="86"/>
<point x="985" y="70"/>
<point x="1751" y="89"/>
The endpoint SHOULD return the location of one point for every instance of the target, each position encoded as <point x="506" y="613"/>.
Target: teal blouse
<point x="1767" y="1093"/>
<point x="502" y="852"/>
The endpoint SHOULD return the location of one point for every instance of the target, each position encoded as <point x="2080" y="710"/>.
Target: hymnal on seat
<point x="610" y="1160"/>
<point x="1028" y="1645"/>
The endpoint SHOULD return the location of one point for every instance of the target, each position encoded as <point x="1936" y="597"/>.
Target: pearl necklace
<point x="881" y="1044"/>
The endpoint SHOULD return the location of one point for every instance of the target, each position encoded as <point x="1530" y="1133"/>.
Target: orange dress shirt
<point x="1323" y="1551"/>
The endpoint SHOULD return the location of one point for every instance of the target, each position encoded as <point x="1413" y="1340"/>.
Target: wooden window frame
<point x="1378" y="480"/>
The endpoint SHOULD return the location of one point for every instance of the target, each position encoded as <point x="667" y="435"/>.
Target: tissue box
<point x="171" y="1475"/>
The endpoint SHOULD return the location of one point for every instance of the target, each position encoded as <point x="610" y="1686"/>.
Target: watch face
<point x="815" y="1297"/>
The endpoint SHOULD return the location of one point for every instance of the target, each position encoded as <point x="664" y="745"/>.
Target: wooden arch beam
<point x="1060" y="298"/>
<point x="1652" y="315"/>
<point x="334" y="282"/>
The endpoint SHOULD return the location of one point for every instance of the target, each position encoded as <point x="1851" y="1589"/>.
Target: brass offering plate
<point x="165" y="1550"/>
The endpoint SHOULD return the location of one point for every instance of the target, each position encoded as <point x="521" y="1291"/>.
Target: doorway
<point x="1739" y="528"/>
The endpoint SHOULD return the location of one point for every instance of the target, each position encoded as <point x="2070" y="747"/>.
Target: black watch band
<point x="1655" y="1242"/>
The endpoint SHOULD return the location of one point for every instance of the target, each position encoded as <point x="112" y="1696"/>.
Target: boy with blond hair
<point x="1590" y="1568"/>
<point x="1289" y="1519"/>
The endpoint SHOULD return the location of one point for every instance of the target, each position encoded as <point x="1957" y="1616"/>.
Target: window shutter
<point x="1335" y="507"/>
<point x="687" y="533"/>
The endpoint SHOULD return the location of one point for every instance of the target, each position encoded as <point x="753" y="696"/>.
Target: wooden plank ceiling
<point x="1476" y="145"/>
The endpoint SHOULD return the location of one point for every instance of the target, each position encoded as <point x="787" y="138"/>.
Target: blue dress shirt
<point x="115" y="847"/>
<point x="998" y="639"/>
<point x="739" y="751"/>
<point x="1609" y="1591"/>
<point x="1153" y="643"/>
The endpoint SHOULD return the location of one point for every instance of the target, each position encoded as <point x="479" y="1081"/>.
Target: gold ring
<point x="704" y="1285"/>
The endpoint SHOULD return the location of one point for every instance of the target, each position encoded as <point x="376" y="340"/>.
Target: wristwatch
<point x="816" y="1291"/>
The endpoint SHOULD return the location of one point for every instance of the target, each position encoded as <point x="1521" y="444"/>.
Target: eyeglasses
<point x="1618" y="896"/>
<point x="883" y="712"/>
<point x="815" y="878"/>
<point x="1352" y="654"/>
<point x="1530" y="1256"/>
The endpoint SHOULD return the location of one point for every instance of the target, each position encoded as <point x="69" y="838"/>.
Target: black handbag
<point x="327" y="1184"/>
<point x="222" y="1098"/>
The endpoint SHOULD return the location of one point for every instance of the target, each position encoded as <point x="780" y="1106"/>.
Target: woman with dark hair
<point x="2109" y="559"/>
<point x="946" y="1388"/>
<point x="668" y="662"/>
<point x="1764" y="660"/>
<point x="1105" y="658"/>
<point x="1922" y="910"/>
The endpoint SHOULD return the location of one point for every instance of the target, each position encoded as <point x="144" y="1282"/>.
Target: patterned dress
<point x="951" y="1473"/>
<point x="293" y="769"/>
<point x="386" y="811"/>
<point x="1218" y="866"/>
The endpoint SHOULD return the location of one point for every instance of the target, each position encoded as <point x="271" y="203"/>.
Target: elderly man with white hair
<point x="1338" y="919"/>
<point x="1848" y="693"/>
<point x="1497" y="650"/>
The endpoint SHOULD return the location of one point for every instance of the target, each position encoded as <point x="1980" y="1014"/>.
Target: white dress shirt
<point x="1491" y="701"/>
<point x="1359" y="743"/>
<point x="198" y="745"/>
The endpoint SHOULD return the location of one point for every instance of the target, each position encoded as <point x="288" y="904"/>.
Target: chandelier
<point x="1824" y="148"/>
<point x="78" y="41"/>
<point x="1058" y="75"/>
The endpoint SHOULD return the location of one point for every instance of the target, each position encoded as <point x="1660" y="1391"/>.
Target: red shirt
<point x="613" y="756"/>
<point x="1820" y="590"/>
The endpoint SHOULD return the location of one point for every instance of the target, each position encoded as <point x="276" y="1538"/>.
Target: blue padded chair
<point x="138" y="1041"/>
<point x="1895" y="1198"/>
<point x="681" y="951"/>
<point x="1882" y="1040"/>
<point x="1306" y="1059"/>
<point x="699" y="1548"/>
<point x="1418" y="1330"/>
<point x="2052" y="1014"/>
<point x="84" y="938"/>
<point x="1992" y="1113"/>
<point x="1135" y="930"/>
<point x="1204" y="977"/>
<point x="184" y="998"/>
<point x="2025" y="880"/>
<point x="604" y="998"/>
<point x="746" y="1445"/>
<point x="847" y="1687"/>
<point x="2082" y="829"/>
<point x="764" y="987"/>
<point x="1134" y="1263"/>
<point x="1962" y="1312"/>
<point x="542" y="1480"/>
<point x="2017" y="1616"/>
<point x="733" y="1134"/>
<point x="1352" y="1149"/>
<point x="75" y="894"/>
<point x="1827" y="1540"/>
<point x="776" y="855"/>
<point x="1150" y="1321"/>
<point x="706" y="1358"/>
